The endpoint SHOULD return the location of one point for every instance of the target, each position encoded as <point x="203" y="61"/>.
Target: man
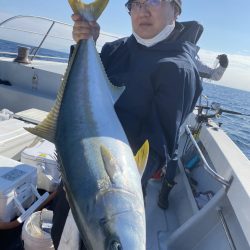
<point x="161" y="79"/>
<point x="162" y="83"/>
<point x="82" y="29"/>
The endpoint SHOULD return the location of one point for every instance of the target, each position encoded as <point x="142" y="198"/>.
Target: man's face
<point x="149" y="20"/>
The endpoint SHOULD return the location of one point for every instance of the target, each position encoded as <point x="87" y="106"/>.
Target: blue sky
<point x="226" y="24"/>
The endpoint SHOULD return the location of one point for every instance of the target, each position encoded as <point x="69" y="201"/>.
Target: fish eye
<point x="115" y="246"/>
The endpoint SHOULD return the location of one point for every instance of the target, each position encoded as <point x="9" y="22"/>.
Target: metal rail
<point x="47" y="33"/>
<point x="37" y="33"/>
<point x="41" y="43"/>
<point x="219" y="178"/>
<point x="37" y="17"/>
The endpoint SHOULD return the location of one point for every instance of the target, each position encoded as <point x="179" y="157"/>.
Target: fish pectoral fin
<point x="110" y="163"/>
<point x="141" y="157"/>
<point x="95" y="8"/>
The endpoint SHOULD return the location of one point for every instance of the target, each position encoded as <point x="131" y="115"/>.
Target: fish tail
<point x="96" y="7"/>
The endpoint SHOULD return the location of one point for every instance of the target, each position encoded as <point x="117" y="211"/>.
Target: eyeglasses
<point x="137" y="6"/>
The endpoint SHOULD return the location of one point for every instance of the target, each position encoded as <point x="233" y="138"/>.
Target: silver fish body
<point x="98" y="167"/>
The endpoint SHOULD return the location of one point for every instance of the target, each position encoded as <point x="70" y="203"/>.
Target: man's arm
<point x="176" y="91"/>
<point x="210" y="73"/>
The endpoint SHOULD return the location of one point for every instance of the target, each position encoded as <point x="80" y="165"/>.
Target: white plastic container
<point x="15" y="187"/>
<point x="42" y="156"/>
<point x="36" y="231"/>
<point x="14" y="138"/>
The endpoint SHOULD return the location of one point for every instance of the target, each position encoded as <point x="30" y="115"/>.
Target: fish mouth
<point x="129" y="221"/>
<point x="120" y="215"/>
<point x="115" y="245"/>
<point x="123" y="229"/>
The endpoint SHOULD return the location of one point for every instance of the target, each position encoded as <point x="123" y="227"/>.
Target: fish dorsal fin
<point x="141" y="157"/>
<point x="47" y="128"/>
<point x="110" y="163"/>
<point x="95" y="8"/>
<point x="114" y="91"/>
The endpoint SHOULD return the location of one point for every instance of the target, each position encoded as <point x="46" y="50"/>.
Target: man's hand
<point x="223" y="60"/>
<point x="83" y="29"/>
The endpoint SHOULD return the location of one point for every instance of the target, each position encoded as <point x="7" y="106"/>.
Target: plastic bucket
<point x="34" y="234"/>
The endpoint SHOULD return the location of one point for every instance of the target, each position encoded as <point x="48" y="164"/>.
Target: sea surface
<point x="236" y="126"/>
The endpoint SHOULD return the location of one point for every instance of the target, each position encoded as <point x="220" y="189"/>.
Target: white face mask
<point x="158" y="38"/>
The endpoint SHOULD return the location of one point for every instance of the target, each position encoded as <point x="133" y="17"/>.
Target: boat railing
<point x="41" y="43"/>
<point x="207" y="167"/>
<point x="50" y="31"/>
<point x="44" y="35"/>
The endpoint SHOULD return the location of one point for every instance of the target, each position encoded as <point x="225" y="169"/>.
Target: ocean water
<point x="236" y="126"/>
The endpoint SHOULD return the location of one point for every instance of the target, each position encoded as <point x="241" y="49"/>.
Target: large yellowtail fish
<point x="98" y="168"/>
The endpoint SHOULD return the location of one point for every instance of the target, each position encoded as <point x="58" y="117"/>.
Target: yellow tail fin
<point x="96" y="7"/>
<point x="141" y="157"/>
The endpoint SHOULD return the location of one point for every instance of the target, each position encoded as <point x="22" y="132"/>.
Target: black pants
<point x="155" y="162"/>
<point x="171" y="168"/>
<point x="61" y="210"/>
<point x="153" y="165"/>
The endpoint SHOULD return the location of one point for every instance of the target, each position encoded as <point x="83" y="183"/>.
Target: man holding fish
<point x="162" y="84"/>
<point x="156" y="67"/>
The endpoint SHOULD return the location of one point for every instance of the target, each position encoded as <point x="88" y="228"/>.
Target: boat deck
<point x="185" y="226"/>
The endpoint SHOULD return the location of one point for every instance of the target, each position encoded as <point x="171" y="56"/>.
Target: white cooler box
<point x="43" y="157"/>
<point x="14" y="138"/>
<point x="17" y="190"/>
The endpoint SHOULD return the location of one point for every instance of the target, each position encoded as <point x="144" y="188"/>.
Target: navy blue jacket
<point x="162" y="87"/>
